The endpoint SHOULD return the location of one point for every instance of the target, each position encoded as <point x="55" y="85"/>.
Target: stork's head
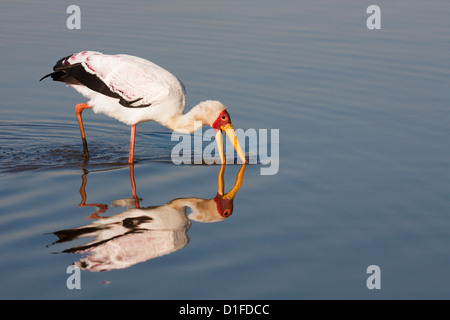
<point x="219" y="119"/>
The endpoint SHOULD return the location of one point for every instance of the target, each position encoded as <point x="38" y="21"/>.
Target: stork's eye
<point x="224" y="117"/>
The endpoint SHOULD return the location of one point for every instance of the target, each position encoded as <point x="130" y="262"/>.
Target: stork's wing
<point x="136" y="82"/>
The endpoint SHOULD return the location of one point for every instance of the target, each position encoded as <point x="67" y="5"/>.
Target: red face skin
<point x="222" y="120"/>
<point x="224" y="206"/>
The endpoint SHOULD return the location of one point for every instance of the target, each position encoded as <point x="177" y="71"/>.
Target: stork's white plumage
<point x="134" y="90"/>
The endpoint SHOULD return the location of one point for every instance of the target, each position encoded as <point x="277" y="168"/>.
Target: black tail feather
<point x="56" y="76"/>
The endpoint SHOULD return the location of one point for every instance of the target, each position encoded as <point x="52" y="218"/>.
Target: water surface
<point x="364" y="156"/>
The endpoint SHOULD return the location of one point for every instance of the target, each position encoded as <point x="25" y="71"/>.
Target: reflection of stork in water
<point x="139" y="234"/>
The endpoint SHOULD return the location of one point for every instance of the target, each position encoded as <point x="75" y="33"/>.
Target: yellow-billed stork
<point x="134" y="90"/>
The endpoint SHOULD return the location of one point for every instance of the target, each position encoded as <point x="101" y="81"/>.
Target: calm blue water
<point x="364" y="169"/>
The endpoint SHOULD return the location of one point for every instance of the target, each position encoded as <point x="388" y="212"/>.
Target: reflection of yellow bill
<point x="237" y="185"/>
<point x="228" y="128"/>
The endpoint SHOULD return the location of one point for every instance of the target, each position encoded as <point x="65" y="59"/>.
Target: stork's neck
<point x="186" y="123"/>
<point x="205" y="113"/>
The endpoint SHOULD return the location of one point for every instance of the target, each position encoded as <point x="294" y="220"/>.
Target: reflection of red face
<point x="224" y="206"/>
<point x="222" y="120"/>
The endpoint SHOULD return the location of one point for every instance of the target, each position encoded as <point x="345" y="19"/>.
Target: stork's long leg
<point x="132" y="138"/>
<point x="78" y="110"/>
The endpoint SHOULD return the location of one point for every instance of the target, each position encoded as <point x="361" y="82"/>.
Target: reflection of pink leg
<point x="78" y="110"/>
<point x="101" y="207"/>
<point x="133" y="186"/>
<point x="132" y="138"/>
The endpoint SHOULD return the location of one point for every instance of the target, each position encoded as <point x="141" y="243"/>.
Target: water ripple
<point x="41" y="145"/>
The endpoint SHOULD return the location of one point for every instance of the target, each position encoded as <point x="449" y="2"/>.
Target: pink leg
<point x="132" y="138"/>
<point x="78" y="110"/>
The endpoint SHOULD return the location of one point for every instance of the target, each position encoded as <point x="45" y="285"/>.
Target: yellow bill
<point x="228" y="128"/>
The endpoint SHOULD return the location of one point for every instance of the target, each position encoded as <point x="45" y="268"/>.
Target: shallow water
<point x="364" y="157"/>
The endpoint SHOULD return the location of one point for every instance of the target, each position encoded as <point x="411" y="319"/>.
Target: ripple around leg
<point x="45" y="145"/>
<point x="30" y="146"/>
